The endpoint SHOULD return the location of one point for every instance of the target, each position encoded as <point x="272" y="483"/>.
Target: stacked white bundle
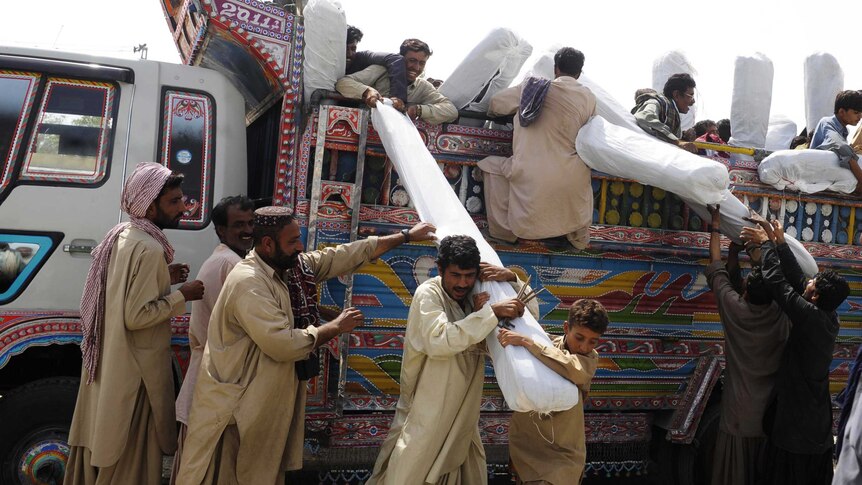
<point x="806" y="171"/>
<point x="780" y="133"/>
<point x="752" y="99"/>
<point x="824" y="79"/>
<point x="526" y="383"/>
<point x="325" y="45"/>
<point x="638" y="156"/>
<point x="665" y="66"/>
<point x="487" y="69"/>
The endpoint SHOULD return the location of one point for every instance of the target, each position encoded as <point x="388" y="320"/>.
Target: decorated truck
<point x="234" y="121"/>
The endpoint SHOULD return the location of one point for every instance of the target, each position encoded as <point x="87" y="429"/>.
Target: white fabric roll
<point x="526" y="383"/>
<point x="752" y="99"/>
<point x="824" y="79"/>
<point x="638" y="156"/>
<point x="494" y="62"/>
<point x="780" y="133"/>
<point x="325" y="49"/>
<point x="807" y="171"/>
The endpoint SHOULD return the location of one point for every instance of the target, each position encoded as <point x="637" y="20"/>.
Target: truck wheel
<point x="36" y="419"/>
<point x="694" y="461"/>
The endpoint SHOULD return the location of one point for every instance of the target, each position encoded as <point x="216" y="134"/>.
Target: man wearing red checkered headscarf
<point x="124" y="417"/>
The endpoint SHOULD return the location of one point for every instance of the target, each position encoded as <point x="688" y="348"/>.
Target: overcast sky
<point x="621" y="39"/>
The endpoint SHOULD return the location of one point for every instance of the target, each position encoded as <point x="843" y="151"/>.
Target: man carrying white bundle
<point x="543" y="190"/>
<point x="434" y="436"/>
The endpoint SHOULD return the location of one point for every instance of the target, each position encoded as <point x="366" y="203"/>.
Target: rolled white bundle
<point x="325" y="50"/>
<point x="638" y="156"/>
<point x="807" y="171"/>
<point x="487" y="69"/>
<point x="665" y="66"/>
<point x="732" y="213"/>
<point x="752" y="99"/>
<point x="526" y="383"/>
<point x="780" y="133"/>
<point x="824" y="79"/>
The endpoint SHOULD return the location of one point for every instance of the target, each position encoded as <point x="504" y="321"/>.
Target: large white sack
<point x="732" y="212"/>
<point x="806" y="171"/>
<point x="526" y="383"/>
<point x="665" y="66"/>
<point x="606" y="105"/>
<point x="635" y="155"/>
<point x="752" y="99"/>
<point x="781" y="131"/>
<point x="824" y="79"/>
<point x="325" y="52"/>
<point x="494" y="62"/>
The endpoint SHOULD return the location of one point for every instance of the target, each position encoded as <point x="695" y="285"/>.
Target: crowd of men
<point x="255" y="326"/>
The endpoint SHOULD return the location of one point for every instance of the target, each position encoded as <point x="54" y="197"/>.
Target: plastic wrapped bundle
<point x="606" y="105"/>
<point x="325" y="49"/>
<point x="526" y="383"/>
<point x="824" y="79"/>
<point x="638" y="156"/>
<point x="487" y="69"/>
<point x="806" y="171"/>
<point x="665" y="66"/>
<point x="780" y="133"/>
<point x="732" y="212"/>
<point x="752" y="99"/>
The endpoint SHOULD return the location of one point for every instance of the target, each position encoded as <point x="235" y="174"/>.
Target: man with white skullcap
<point x="124" y="417"/>
<point x="248" y="412"/>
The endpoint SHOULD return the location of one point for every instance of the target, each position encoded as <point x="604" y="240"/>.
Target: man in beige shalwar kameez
<point x="247" y="422"/>
<point x="434" y="436"/>
<point x="124" y="416"/>
<point x="543" y="190"/>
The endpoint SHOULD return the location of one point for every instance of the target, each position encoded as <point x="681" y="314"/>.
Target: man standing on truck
<point x="233" y="219"/>
<point x="755" y="332"/>
<point x="799" y="420"/>
<point x="248" y="419"/>
<point x="434" y="436"/>
<point x="424" y="102"/>
<point x="124" y="417"/>
<point x="543" y="190"/>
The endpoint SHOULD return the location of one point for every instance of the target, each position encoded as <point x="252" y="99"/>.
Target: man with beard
<point x="233" y="219"/>
<point x="434" y="436"/>
<point x="124" y="417"/>
<point x="248" y="420"/>
<point x="424" y="102"/>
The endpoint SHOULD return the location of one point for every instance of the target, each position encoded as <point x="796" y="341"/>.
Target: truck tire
<point x="36" y="419"/>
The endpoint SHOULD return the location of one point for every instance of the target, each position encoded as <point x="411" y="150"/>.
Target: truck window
<point x="21" y="255"/>
<point x="17" y="91"/>
<point x="72" y="137"/>
<point x="186" y="145"/>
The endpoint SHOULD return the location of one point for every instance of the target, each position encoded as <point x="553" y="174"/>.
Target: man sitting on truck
<point x="394" y="63"/>
<point x="543" y="190"/>
<point x="831" y="133"/>
<point x="799" y="420"/>
<point x="233" y="220"/>
<point x="755" y="332"/>
<point x="124" y="417"/>
<point x="658" y="114"/>
<point x="424" y="102"/>
<point x="248" y="419"/>
<point x="434" y="436"/>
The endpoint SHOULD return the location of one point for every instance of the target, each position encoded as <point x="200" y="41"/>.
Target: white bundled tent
<point x="665" y="66"/>
<point x="824" y="79"/>
<point x="526" y="383"/>
<point x="808" y="171"/>
<point x="780" y="133"/>
<point x="325" y="45"/>
<point x="488" y="68"/>
<point x="752" y="99"/>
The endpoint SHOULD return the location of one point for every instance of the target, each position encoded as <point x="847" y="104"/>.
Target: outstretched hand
<point x="422" y="232"/>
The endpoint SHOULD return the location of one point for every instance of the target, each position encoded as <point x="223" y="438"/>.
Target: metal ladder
<point x="350" y="194"/>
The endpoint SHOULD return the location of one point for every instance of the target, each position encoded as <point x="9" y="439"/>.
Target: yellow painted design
<point x="603" y="199"/>
<point x="851" y="227"/>
<point x="622" y="282"/>
<point x="654" y="220"/>
<point x="617" y="188"/>
<point x="382" y="271"/>
<point x="612" y="217"/>
<point x="635" y="206"/>
<point x="369" y="369"/>
<point x="657" y="193"/>
<point x="636" y="189"/>
<point x="636" y="219"/>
